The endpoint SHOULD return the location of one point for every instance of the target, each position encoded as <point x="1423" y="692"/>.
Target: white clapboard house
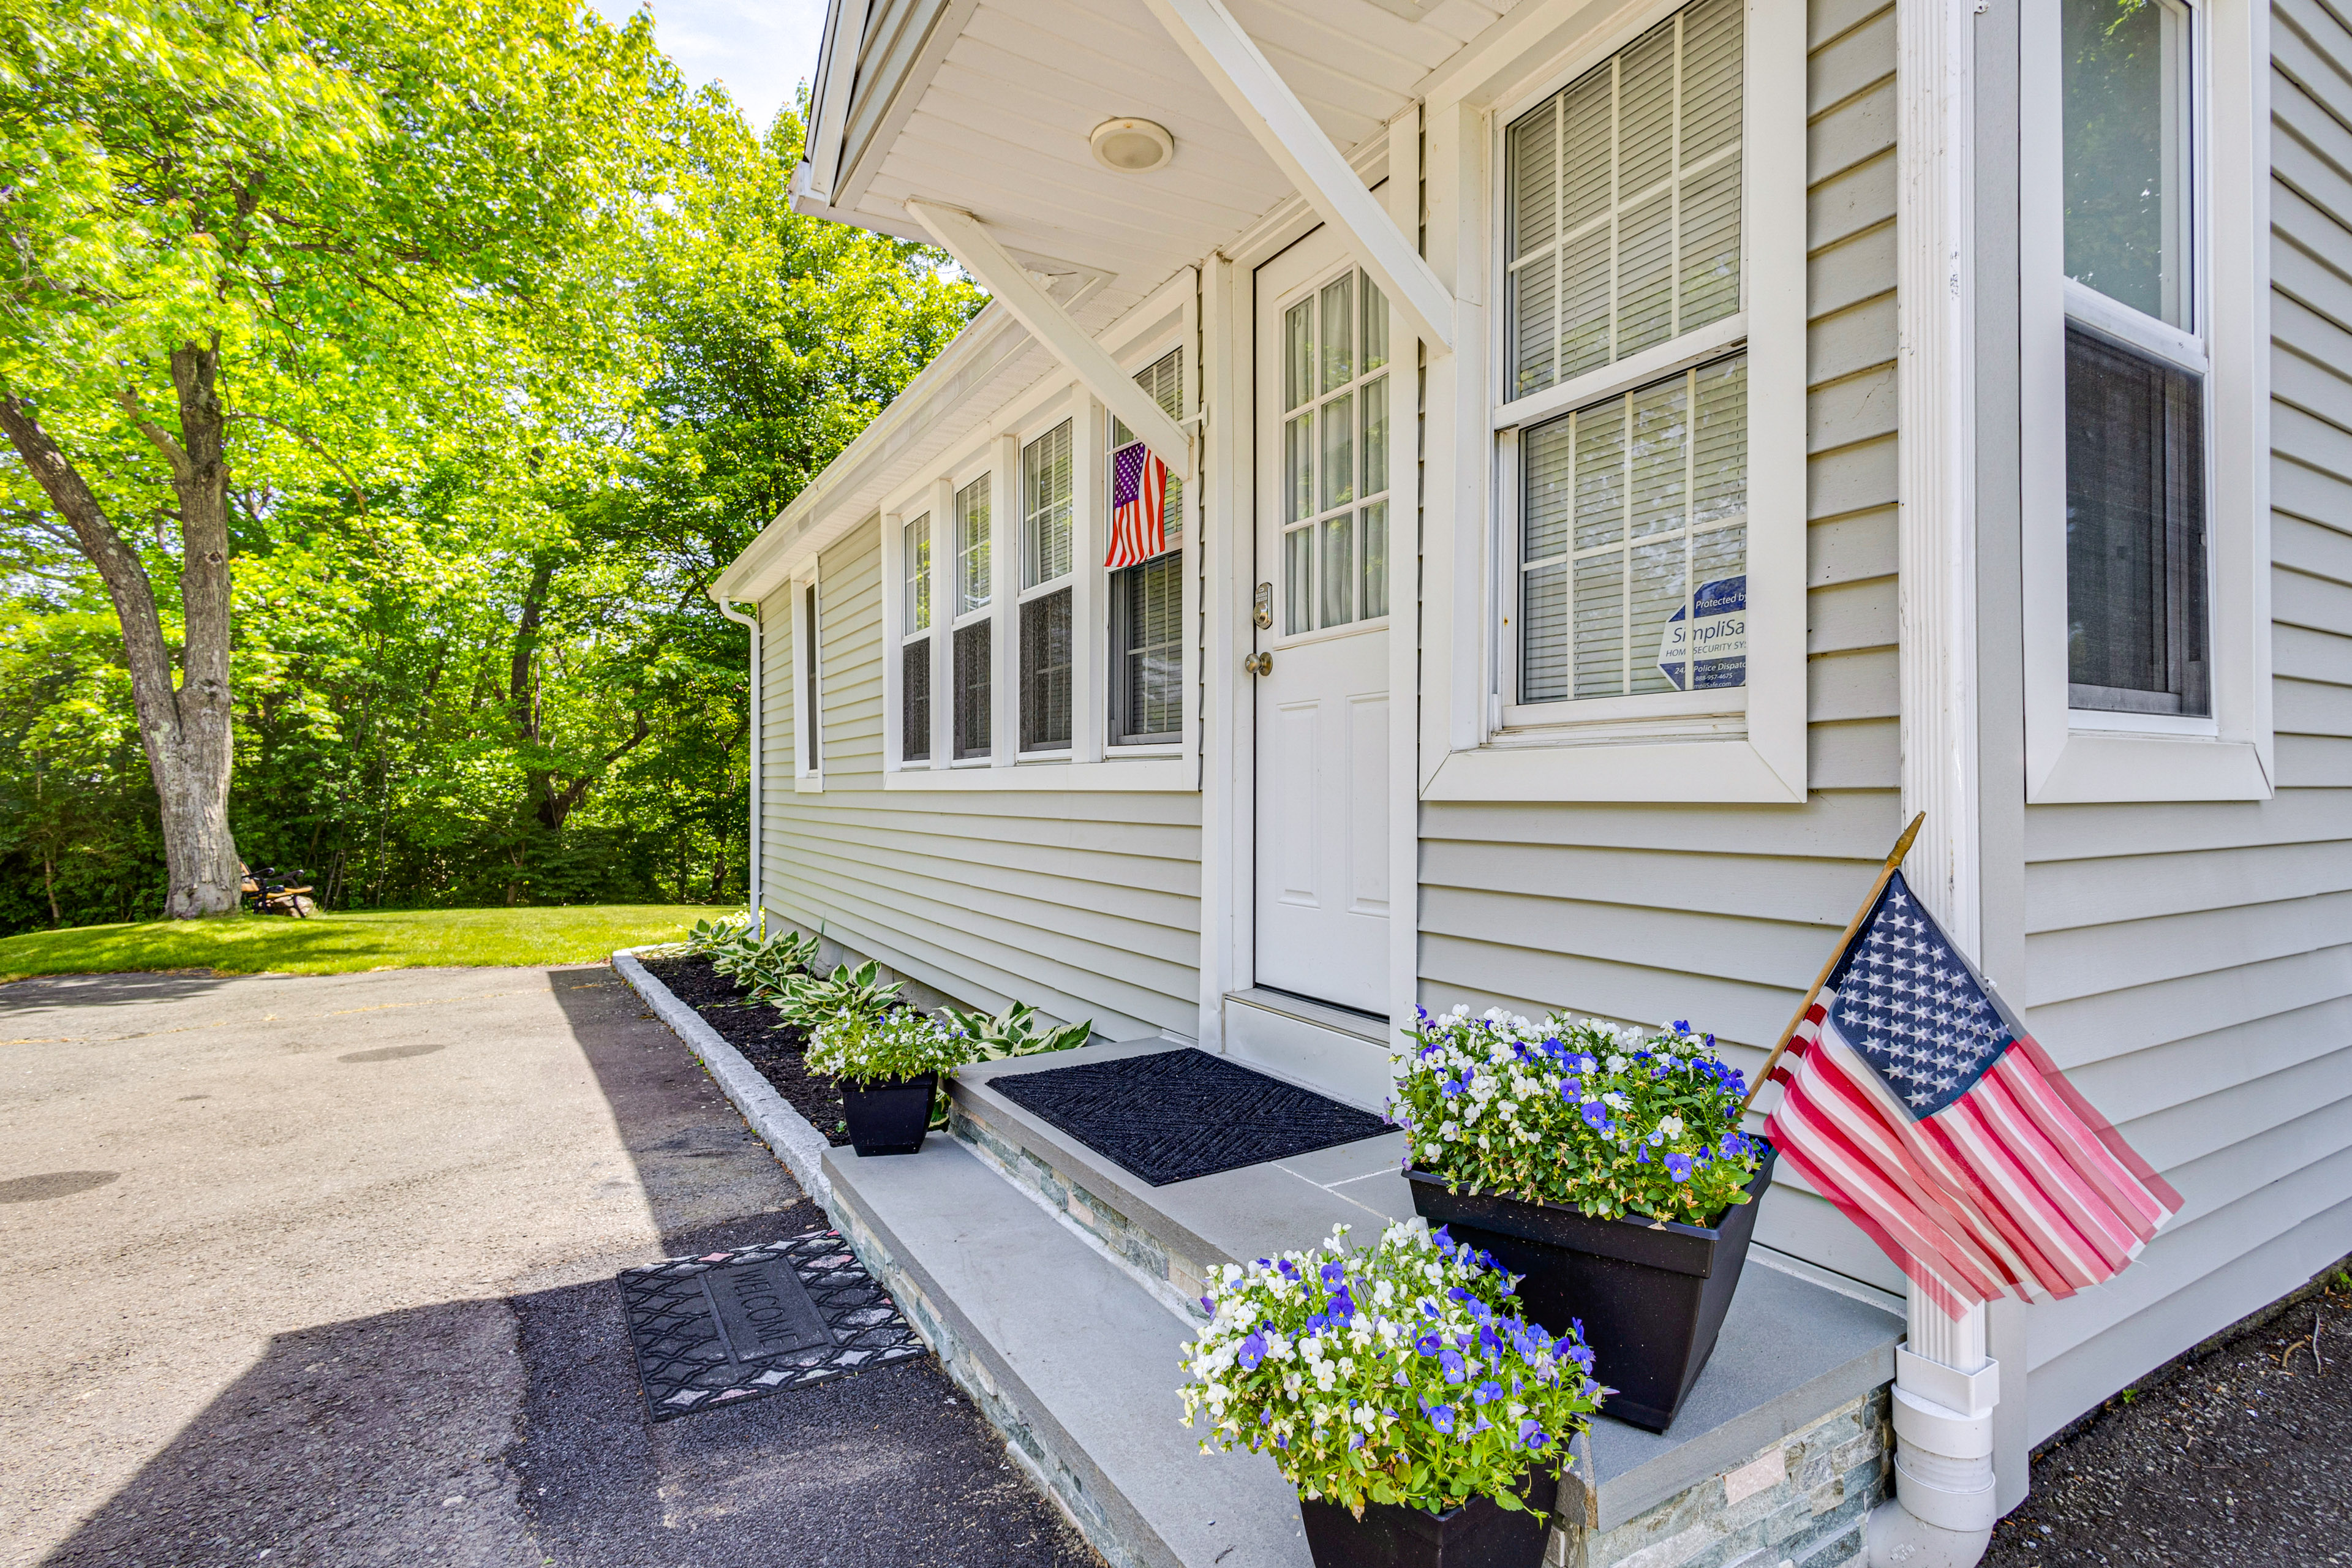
<point x="1626" y="456"/>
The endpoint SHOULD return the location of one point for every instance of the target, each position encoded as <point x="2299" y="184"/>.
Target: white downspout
<point x="759" y="746"/>
<point x="1945" y="1385"/>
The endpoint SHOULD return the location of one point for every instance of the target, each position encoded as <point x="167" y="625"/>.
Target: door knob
<point x="1259" y="664"/>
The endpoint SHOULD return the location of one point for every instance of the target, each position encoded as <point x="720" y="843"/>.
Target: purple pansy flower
<point x="1441" y="1417"/>
<point x="1532" y="1436"/>
<point x="1487" y="1391"/>
<point x="1451" y="1362"/>
<point x="1678" y="1167"/>
<point x="1252" y="1351"/>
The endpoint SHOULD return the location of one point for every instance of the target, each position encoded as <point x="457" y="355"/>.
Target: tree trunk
<point x="185" y="731"/>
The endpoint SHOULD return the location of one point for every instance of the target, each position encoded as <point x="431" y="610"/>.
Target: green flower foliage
<point x="805" y="1001"/>
<point x="1604" y="1117"/>
<point x="866" y="1048"/>
<point x="1397" y="1373"/>
<point x="761" y="964"/>
<point x="1014" y="1032"/>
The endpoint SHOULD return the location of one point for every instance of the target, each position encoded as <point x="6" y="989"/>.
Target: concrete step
<point x="1069" y="1355"/>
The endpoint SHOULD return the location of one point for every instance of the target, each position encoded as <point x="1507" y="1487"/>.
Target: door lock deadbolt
<point x="1262" y="615"/>
<point x="1259" y="664"/>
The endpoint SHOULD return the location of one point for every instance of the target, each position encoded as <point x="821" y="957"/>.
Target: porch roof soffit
<point x="992" y="114"/>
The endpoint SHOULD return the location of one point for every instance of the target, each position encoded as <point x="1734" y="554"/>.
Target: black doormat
<point x="742" y="1324"/>
<point x="1169" y="1116"/>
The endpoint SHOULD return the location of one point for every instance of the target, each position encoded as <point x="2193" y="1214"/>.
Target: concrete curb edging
<point x="799" y="1145"/>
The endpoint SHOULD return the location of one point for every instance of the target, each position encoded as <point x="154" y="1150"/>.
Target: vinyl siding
<point x="1085" y="905"/>
<point x="2215" y="1022"/>
<point x="1711" y="913"/>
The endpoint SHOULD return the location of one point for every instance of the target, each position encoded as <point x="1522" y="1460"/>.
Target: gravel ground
<point x="2239" y="1452"/>
<point x="775" y="1052"/>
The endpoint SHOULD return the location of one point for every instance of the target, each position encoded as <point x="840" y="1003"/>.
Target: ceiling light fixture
<point x="1132" y="146"/>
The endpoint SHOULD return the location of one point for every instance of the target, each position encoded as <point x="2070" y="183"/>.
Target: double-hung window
<point x="1047" y="505"/>
<point x="2144" y="182"/>
<point x="1147" y="601"/>
<point x="915" y="639"/>
<point x="1624" y="278"/>
<point x="2137" y="575"/>
<point x="975" y="624"/>
<point x="1647" y="636"/>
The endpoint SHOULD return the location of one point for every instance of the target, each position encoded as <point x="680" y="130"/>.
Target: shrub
<point x="860" y="1048"/>
<point x="1600" y="1116"/>
<point x="1014" y="1032"/>
<point x="807" y="1001"/>
<point x="1398" y="1374"/>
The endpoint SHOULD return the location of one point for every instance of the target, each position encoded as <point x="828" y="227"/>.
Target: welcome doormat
<point x="755" y="1321"/>
<point x="1170" y="1116"/>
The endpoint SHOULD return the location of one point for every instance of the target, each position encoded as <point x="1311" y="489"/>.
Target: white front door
<point x="1323" y="381"/>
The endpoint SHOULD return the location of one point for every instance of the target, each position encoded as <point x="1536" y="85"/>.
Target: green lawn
<point x="336" y="944"/>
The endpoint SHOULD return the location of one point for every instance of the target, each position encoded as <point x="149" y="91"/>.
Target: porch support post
<point x="964" y="237"/>
<point x="1272" y="113"/>
<point x="1944" y="1384"/>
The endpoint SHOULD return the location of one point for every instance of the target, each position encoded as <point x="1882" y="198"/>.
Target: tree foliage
<point x="518" y="341"/>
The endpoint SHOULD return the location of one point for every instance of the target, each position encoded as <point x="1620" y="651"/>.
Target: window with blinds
<point x="1048" y="504"/>
<point x="1147" y="602"/>
<point x="971" y="564"/>
<point x="1634" y="541"/>
<point x="1622" y="191"/>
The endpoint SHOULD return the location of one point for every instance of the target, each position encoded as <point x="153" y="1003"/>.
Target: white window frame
<point x="1134" y="359"/>
<point x="1168" y="319"/>
<point x="896" y="632"/>
<point x="1746" y="744"/>
<point x="808" y="675"/>
<point x="2089" y="755"/>
<point x="984" y="465"/>
<point x="1062" y="412"/>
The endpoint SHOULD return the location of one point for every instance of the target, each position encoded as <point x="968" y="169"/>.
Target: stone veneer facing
<point x="1802" y="1500"/>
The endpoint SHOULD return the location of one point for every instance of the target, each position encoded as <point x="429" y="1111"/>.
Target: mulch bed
<point x="752" y="1029"/>
<point x="2236" y="1452"/>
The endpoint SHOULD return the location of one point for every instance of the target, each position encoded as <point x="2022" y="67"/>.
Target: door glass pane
<point x="1339" y="450"/>
<point x="2136" y="568"/>
<point x="1375" y="524"/>
<point x="1298" y="354"/>
<point x="1338" y="332"/>
<point x="1299" y="581"/>
<point x="2126" y="106"/>
<point x="1339" y="568"/>
<point x="1299" y="468"/>
<point x="1375" y="396"/>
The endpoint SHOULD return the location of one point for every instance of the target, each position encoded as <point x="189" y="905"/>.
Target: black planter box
<point x="1652" y="1293"/>
<point x="889" y="1115"/>
<point x="1481" y="1533"/>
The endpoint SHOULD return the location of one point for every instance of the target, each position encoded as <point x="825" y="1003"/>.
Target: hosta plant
<point x="807" y="1001"/>
<point x="1604" y="1117"/>
<point x="1014" y="1032"/>
<point x="1396" y="1374"/>
<point x="759" y="965"/>
<point x="866" y="1047"/>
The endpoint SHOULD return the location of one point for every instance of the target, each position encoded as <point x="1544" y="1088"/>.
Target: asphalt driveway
<point x="319" y="1270"/>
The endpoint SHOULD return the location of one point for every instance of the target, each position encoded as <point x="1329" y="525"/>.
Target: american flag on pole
<point x="1915" y="1102"/>
<point x="1139" y="506"/>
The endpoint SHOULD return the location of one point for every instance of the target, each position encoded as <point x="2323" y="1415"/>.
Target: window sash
<point x="916" y="555"/>
<point x="1148" y="652"/>
<point x="1046" y="668"/>
<point x="975" y="650"/>
<point x="973" y="581"/>
<point x="915" y="700"/>
<point x="1047" y="506"/>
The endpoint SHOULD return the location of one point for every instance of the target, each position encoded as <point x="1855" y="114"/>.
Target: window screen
<point x="2135" y="569"/>
<point x="1624" y="188"/>
<point x="1045" y="671"/>
<point x="915" y="700"/>
<point x="974" y="646"/>
<point x="1634" y="541"/>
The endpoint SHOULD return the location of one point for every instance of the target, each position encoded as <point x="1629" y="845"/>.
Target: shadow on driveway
<point x="512" y="1432"/>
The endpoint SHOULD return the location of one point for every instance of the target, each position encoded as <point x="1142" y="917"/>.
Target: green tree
<point x="216" y="209"/>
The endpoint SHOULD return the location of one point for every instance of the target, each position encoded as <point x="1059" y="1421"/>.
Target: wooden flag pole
<point x="1885" y="873"/>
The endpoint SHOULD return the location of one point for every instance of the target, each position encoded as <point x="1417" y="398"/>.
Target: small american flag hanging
<point x="1139" y="506"/>
<point x="1916" y="1104"/>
